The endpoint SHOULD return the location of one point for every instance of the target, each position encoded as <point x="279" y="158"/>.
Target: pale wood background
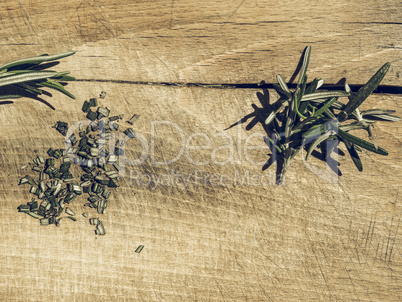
<point x="310" y="240"/>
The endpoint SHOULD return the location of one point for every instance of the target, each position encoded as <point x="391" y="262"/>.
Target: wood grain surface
<point x="320" y="237"/>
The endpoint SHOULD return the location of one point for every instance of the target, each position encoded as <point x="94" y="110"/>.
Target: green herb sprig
<point x="309" y="118"/>
<point x="29" y="76"/>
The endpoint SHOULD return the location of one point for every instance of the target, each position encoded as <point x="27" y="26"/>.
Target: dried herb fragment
<point x="114" y="118"/>
<point x="93" y="102"/>
<point x="69" y="212"/>
<point x="139" y="248"/>
<point x="36" y="169"/>
<point x="92" y="115"/>
<point x="34" y="215"/>
<point x="62" y="127"/>
<point x="118" y="151"/>
<point x="100" y="229"/>
<point x="86" y="106"/>
<point x="129" y="132"/>
<point x="102" y="112"/>
<point x="101" y="206"/>
<point x="44" y="221"/>
<point x="93" y="221"/>
<point x="133" y="119"/>
<point x="24" y="180"/>
<point x="24" y="208"/>
<point x="73" y="139"/>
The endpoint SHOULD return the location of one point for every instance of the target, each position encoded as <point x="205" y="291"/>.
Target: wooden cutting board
<point x="229" y="234"/>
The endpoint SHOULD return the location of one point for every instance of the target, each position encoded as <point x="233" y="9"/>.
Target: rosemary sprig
<point x="308" y="118"/>
<point x="28" y="76"/>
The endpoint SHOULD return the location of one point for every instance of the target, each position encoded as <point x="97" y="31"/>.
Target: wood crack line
<point x="386" y="89"/>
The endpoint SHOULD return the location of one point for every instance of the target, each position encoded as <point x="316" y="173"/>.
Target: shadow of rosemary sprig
<point x="27" y="77"/>
<point x="309" y="118"/>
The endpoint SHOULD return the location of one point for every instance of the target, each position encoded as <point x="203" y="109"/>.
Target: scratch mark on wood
<point x="26" y="17"/>
<point x="393" y="242"/>
<point x="171" y="15"/>
<point x="105" y="22"/>
<point x="389" y="236"/>
<point x="353" y="285"/>
<point x="322" y="273"/>
<point x="79" y="19"/>
<point x="368" y="233"/>
<point x="79" y="29"/>
<point x="248" y="260"/>
<point x="372" y="233"/>
<point x="235" y="10"/>
<point x="221" y="288"/>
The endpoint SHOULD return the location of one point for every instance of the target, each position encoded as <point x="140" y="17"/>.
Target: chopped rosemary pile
<point x="89" y="148"/>
<point x="28" y="76"/>
<point x="309" y="118"/>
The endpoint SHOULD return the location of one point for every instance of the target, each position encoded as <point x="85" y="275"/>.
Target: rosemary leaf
<point x="298" y="95"/>
<point x="386" y="117"/>
<point x="362" y="143"/>
<point x="324" y="95"/>
<point x="303" y="71"/>
<point x="329" y="113"/>
<point x="376" y="111"/>
<point x="314" y="85"/>
<point x="10" y="96"/>
<point x="314" y="131"/>
<point x="57" y="86"/>
<point x="29" y="88"/>
<point x="353" y="154"/>
<point x="284" y="87"/>
<point x="270" y="117"/>
<point x="325" y="107"/>
<point x="36" y="60"/>
<point x="280" y="91"/>
<point x="271" y="144"/>
<point x="355" y="126"/>
<point x="318" y="141"/>
<point x="20" y="78"/>
<point x="64" y="78"/>
<point x="304" y="123"/>
<point x="364" y="92"/>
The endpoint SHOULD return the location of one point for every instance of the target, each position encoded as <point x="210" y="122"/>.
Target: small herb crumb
<point x="62" y="127"/>
<point x="139" y="249"/>
<point x="133" y="119"/>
